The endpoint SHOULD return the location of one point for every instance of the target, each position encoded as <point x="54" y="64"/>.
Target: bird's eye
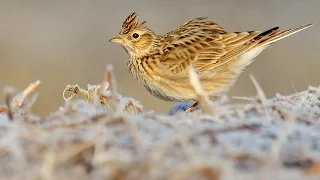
<point x="135" y="35"/>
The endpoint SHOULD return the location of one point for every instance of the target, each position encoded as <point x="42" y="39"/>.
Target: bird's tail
<point x="277" y="34"/>
<point x="263" y="40"/>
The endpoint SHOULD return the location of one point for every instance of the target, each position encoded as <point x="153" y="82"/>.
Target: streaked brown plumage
<point x="161" y="62"/>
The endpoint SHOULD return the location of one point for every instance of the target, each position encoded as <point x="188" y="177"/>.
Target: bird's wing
<point x="205" y="45"/>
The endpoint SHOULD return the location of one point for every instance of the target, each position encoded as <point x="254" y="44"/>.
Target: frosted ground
<point x="114" y="138"/>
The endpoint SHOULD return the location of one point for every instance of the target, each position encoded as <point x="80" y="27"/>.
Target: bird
<point x="161" y="62"/>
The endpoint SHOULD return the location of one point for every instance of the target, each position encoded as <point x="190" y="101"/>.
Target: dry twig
<point x="202" y="97"/>
<point x="19" y="99"/>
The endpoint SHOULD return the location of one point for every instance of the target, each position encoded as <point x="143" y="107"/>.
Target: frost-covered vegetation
<point x="102" y="135"/>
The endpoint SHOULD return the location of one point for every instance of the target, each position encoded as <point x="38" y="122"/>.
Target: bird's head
<point x="135" y="37"/>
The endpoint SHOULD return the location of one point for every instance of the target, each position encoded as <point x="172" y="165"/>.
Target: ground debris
<point x="102" y="135"/>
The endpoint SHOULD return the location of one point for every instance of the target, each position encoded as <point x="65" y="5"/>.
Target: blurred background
<point x="66" y="42"/>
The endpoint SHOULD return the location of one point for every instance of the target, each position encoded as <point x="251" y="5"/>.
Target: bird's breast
<point x="142" y="69"/>
<point x="148" y="73"/>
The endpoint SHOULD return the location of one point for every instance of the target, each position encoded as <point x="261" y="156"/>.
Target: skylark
<point x="161" y="62"/>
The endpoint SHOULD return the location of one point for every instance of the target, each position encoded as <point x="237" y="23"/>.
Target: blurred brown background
<point x="66" y="42"/>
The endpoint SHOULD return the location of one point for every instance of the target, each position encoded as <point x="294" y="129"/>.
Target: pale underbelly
<point x="174" y="94"/>
<point x="180" y="90"/>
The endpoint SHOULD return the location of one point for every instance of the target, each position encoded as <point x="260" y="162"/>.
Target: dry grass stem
<point x="19" y="99"/>
<point x="104" y="94"/>
<point x="203" y="99"/>
<point x="15" y="103"/>
<point x="109" y="77"/>
<point x="262" y="99"/>
<point x="261" y="95"/>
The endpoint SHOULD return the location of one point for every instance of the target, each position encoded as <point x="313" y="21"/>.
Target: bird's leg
<point x="191" y="107"/>
<point x="194" y="59"/>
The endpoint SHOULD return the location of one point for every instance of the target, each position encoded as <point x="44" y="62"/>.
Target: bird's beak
<point x="116" y="40"/>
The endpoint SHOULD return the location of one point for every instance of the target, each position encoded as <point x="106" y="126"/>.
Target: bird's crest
<point x="130" y="23"/>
